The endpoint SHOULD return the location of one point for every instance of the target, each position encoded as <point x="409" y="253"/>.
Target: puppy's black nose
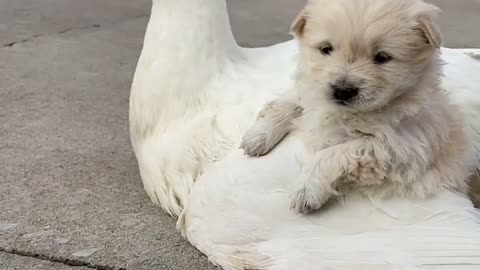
<point x="344" y="91"/>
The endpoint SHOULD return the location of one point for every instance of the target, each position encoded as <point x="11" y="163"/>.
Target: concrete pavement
<point x="70" y="193"/>
<point x="264" y="22"/>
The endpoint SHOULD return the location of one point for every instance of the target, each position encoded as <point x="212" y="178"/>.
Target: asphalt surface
<point x="70" y="193"/>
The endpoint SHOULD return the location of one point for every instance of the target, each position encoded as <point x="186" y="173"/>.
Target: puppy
<point x="368" y="104"/>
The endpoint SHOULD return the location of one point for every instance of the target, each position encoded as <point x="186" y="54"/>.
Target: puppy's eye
<point x="382" y="58"/>
<point x="326" y="50"/>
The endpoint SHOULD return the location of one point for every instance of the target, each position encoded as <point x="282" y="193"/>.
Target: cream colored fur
<point x="400" y="136"/>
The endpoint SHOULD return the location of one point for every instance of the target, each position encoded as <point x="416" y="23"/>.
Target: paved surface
<point x="16" y="262"/>
<point x="70" y="193"/>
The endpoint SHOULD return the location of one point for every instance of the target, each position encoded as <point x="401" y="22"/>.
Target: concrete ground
<point x="70" y="193"/>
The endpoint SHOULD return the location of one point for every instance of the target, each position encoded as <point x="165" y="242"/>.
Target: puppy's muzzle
<point x="344" y="91"/>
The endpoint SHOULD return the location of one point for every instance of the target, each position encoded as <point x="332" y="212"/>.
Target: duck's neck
<point x="186" y="44"/>
<point x="193" y="26"/>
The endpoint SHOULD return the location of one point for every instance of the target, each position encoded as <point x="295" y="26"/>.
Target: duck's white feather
<point x="462" y="82"/>
<point x="194" y="94"/>
<point x="238" y="214"/>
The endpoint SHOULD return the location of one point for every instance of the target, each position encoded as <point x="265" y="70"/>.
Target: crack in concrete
<point x="70" y="29"/>
<point x="56" y="259"/>
<point x="11" y="44"/>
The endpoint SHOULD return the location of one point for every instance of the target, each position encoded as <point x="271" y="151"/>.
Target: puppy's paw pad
<point x="305" y="201"/>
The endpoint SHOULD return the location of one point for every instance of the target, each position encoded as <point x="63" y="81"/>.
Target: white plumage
<point x="238" y="214"/>
<point x="194" y="94"/>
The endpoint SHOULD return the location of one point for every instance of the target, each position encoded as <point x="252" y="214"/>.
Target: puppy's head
<point x="362" y="54"/>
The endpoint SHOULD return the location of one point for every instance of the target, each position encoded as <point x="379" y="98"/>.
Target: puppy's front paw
<point x="307" y="199"/>
<point x="257" y="140"/>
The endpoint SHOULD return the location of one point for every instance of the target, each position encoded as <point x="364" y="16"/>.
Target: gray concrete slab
<point x="459" y="21"/>
<point x="265" y="22"/>
<point x="69" y="181"/>
<point x="69" y="185"/>
<point x="262" y="22"/>
<point x="24" y="19"/>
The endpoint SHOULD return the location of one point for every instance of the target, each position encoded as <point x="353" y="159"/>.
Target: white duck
<point x="194" y="94"/>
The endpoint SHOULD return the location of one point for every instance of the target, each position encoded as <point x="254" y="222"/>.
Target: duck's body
<point x="194" y="94"/>
<point x="238" y="215"/>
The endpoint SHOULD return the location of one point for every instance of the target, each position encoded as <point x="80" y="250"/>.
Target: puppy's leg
<point x="274" y="122"/>
<point x="350" y="162"/>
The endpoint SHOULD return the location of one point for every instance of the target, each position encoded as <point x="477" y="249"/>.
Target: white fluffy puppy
<point x="368" y="104"/>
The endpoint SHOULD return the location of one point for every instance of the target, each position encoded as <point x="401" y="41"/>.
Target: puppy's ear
<point x="428" y="27"/>
<point x="298" y="26"/>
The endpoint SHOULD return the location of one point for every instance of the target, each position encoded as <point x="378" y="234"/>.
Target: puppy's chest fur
<point x="417" y="150"/>
<point x="322" y="129"/>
